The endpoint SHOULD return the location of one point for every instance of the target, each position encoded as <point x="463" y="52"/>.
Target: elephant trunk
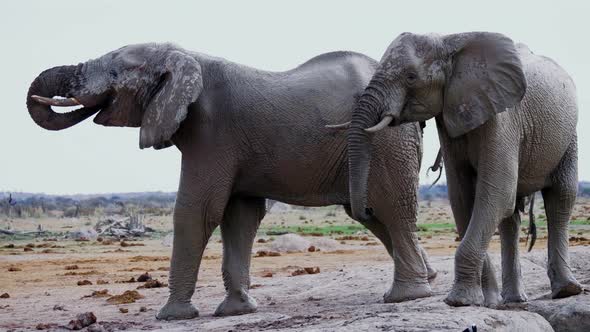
<point x="366" y="114"/>
<point x="56" y="81"/>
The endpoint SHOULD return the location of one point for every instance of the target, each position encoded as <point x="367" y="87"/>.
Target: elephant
<point x="506" y="120"/>
<point x="245" y="135"/>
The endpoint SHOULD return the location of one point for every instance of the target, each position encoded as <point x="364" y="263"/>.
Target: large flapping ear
<point x="486" y="78"/>
<point x="181" y="85"/>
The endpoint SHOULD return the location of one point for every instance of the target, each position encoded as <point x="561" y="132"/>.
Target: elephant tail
<point x="437" y="166"/>
<point x="532" y="226"/>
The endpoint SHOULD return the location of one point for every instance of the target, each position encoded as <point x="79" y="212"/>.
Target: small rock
<point x="306" y="270"/>
<point x="59" y="307"/>
<point x="124" y="310"/>
<point x="262" y="240"/>
<point x="5" y="296"/>
<point x="84" y="282"/>
<point x="95" y="328"/>
<point x="81" y="321"/>
<point x="99" y="293"/>
<point x="142" y="309"/>
<point x="266" y="253"/>
<point x="312" y="270"/>
<point x="126" y="297"/>
<point x="14" y="269"/>
<point x="152" y="283"/>
<point x="45" y="326"/>
<point x="144" y="277"/>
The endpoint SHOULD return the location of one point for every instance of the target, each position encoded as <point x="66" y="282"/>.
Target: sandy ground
<point x="345" y="295"/>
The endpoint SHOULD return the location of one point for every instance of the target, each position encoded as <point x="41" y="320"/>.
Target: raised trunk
<point x="366" y="114"/>
<point x="56" y="81"/>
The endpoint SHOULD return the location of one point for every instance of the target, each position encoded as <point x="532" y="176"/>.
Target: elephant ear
<point x="181" y="85"/>
<point x="486" y="79"/>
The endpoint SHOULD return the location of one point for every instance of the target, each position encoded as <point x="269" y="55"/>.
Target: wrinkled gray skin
<point x="499" y="145"/>
<point x="246" y="135"/>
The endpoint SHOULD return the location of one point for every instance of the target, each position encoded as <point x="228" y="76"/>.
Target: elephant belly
<point x="298" y="183"/>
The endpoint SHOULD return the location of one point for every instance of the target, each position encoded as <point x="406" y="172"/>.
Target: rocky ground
<point x="49" y="284"/>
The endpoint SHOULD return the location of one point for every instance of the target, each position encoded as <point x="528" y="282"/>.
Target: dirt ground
<point x="42" y="283"/>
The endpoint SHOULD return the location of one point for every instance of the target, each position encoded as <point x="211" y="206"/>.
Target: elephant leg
<point x="238" y="230"/>
<point x="559" y="201"/>
<point x="196" y="215"/>
<point x="381" y="232"/>
<point x="512" y="287"/>
<point x="410" y="274"/>
<point x="410" y="278"/>
<point x="377" y="228"/>
<point x="495" y="198"/>
<point x="461" y="189"/>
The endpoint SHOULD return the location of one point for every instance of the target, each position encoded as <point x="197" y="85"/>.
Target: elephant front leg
<point x="191" y="235"/>
<point x="411" y="276"/>
<point x="199" y="209"/>
<point x="494" y="200"/>
<point x="512" y="287"/>
<point x="238" y="230"/>
<point x="461" y="189"/>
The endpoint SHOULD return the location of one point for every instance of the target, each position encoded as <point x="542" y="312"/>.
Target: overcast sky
<point x="272" y="35"/>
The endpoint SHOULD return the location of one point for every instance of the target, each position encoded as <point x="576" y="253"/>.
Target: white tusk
<point x="344" y="125"/>
<point x="382" y="124"/>
<point x="56" y="102"/>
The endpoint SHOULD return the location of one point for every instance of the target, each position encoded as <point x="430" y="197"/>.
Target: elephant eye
<point x="411" y="78"/>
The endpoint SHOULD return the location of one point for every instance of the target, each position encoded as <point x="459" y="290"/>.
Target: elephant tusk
<point x="382" y="124"/>
<point x="344" y="125"/>
<point x="56" y="102"/>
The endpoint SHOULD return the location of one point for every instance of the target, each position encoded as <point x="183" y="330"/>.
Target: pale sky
<point x="271" y="35"/>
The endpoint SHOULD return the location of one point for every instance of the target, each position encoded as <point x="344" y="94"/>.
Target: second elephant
<point x="506" y="120"/>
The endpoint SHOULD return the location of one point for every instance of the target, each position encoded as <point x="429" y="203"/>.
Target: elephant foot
<point x="571" y="288"/>
<point x="177" y="311"/>
<point x="491" y="297"/>
<point x="514" y="298"/>
<point x="400" y="292"/>
<point x="237" y="304"/>
<point x="465" y="296"/>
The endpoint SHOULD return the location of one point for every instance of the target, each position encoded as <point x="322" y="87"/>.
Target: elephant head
<point x="467" y="77"/>
<point x="146" y="85"/>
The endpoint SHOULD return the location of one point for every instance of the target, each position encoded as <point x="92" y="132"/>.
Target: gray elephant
<point x="245" y="135"/>
<point x="501" y="142"/>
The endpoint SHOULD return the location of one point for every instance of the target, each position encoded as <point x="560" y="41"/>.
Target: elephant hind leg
<point x="381" y="232"/>
<point x="238" y="230"/>
<point x="559" y="201"/>
<point x="410" y="261"/>
<point x="512" y="287"/>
